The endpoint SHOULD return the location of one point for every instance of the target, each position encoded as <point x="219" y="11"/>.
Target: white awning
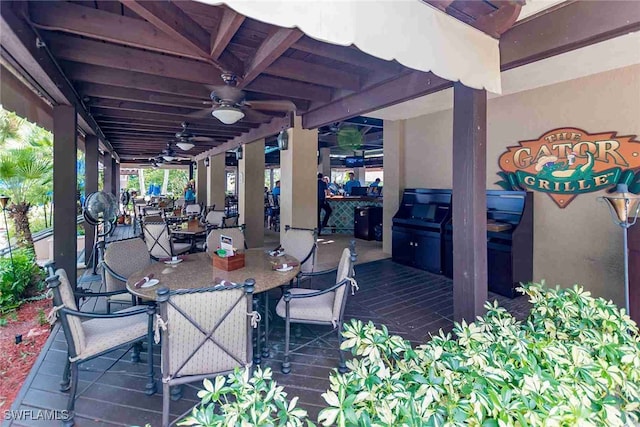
<point x="415" y="34"/>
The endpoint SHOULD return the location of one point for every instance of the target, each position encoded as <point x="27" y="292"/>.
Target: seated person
<point x="375" y="183"/>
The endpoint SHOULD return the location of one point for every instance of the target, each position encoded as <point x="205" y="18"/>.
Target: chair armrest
<point x="289" y="296"/>
<point x="92" y="294"/>
<point x="317" y="273"/>
<point x="113" y="273"/>
<point x="87" y="315"/>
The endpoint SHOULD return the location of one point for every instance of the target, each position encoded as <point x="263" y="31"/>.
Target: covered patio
<point x="132" y="83"/>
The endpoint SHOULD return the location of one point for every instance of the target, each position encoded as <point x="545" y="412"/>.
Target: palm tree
<point x="22" y="170"/>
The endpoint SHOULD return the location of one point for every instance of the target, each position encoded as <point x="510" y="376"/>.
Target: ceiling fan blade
<point x="228" y="93"/>
<point x="202" y="139"/>
<point x="256" y="115"/>
<point x="200" y="114"/>
<point x="272" y="105"/>
<point x="178" y="100"/>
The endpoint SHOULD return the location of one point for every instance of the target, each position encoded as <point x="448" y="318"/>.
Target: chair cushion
<point x="345" y="269"/>
<point x="318" y="308"/>
<point x="122" y="298"/>
<point x="69" y="301"/>
<point x="180" y="248"/>
<point x="105" y="334"/>
<point x="125" y="257"/>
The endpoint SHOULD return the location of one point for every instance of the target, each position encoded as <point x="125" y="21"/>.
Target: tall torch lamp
<point x="4" y="201"/>
<point x="624" y="208"/>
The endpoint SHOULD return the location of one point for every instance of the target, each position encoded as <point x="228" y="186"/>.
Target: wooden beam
<point x="313" y="73"/>
<point x="139" y="106"/>
<point x="171" y="130"/>
<point x="281" y="87"/>
<point x="20" y="41"/>
<point x="349" y="55"/>
<point x="129" y="59"/>
<point x="407" y="86"/>
<point x="109" y="6"/>
<point x="271" y="49"/>
<point x="469" y="202"/>
<point x="175" y="125"/>
<point x="263" y="131"/>
<point x="130" y="79"/>
<point x="500" y="20"/>
<point x="129" y="94"/>
<point x="109" y="113"/>
<point x="229" y="24"/>
<point x="543" y="37"/>
<point x="102" y="25"/>
<point x="439" y="4"/>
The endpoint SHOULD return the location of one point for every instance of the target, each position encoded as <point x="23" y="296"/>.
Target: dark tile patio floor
<point x="411" y="302"/>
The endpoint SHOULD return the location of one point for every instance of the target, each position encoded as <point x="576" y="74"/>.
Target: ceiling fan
<point x="331" y="129"/>
<point x="168" y="155"/>
<point x="185" y="139"/>
<point x="229" y="103"/>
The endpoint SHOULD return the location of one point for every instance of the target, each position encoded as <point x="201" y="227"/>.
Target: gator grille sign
<point x="569" y="161"/>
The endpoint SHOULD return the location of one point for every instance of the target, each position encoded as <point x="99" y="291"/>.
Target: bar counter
<point x="341" y="220"/>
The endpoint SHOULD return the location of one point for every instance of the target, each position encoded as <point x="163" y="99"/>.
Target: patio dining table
<point x="197" y="271"/>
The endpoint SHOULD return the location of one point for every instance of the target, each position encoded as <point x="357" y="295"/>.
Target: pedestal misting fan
<point x="101" y="211"/>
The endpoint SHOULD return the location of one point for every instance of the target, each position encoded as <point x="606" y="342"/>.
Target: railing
<point x="42" y="234"/>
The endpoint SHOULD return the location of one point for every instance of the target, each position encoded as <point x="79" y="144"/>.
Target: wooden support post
<point x="216" y="181"/>
<point x="90" y="186"/>
<point x="107" y="164"/>
<point x="469" y="202"/>
<point x="201" y="183"/>
<point x="116" y="180"/>
<point x="65" y="145"/>
<point x="251" y="192"/>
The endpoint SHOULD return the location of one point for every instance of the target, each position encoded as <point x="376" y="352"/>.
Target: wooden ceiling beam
<point x="230" y="23"/>
<point x="130" y="79"/>
<point x="271" y="49"/>
<point x="139" y="106"/>
<point x="442" y="5"/>
<point x="348" y="55"/>
<point x="172" y="129"/>
<point x="175" y="125"/>
<point x="106" y="127"/>
<point x="108" y="113"/>
<point x="99" y="24"/>
<point x="408" y="86"/>
<point x="313" y="73"/>
<point x="129" y="59"/>
<point x="94" y="90"/>
<point x="291" y="88"/>
<point x="500" y="20"/>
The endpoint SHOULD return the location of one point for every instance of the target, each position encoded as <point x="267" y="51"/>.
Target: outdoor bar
<point x="165" y="258"/>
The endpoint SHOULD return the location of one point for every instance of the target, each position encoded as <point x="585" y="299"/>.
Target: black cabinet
<point x="417" y="228"/>
<point x="365" y="219"/>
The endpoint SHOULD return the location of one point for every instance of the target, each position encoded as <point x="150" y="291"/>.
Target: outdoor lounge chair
<point x="193" y="209"/>
<point x="301" y="244"/>
<point x="205" y="332"/>
<point x="121" y="259"/>
<point x="100" y="334"/>
<point x="214" y="219"/>
<point x="159" y="242"/>
<point x="319" y="307"/>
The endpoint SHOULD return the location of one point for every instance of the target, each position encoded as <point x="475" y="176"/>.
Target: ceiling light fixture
<point x="239" y="153"/>
<point x="227" y="114"/>
<point x="168" y="158"/>
<point x="185" y="146"/>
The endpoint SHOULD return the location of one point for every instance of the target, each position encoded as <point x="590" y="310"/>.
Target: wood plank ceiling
<point x="142" y="67"/>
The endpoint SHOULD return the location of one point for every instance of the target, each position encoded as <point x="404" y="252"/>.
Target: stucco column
<point x="65" y="145"/>
<point x="394" y="172"/>
<point x="298" y="176"/>
<point x="251" y="193"/>
<point x="325" y="162"/>
<point x="201" y="183"/>
<point x="216" y="181"/>
<point x="359" y="173"/>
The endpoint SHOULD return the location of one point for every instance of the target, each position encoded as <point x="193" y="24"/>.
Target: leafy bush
<point x="574" y="361"/>
<point x="245" y="401"/>
<point x="27" y="277"/>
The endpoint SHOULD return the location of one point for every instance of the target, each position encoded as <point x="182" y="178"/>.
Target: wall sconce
<point x="206" y="161"/>
<point x="283" y="140"/>
<point x="624" y="208"/>
<point x="239" y="153"/>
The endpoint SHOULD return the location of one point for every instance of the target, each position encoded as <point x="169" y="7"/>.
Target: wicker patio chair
<point x="121" y="259"/>
<point x="159" y="243"/>
<point x="204" y="333"/>
<point x="236" y="233"/>
<point x="100" y="334"/>
<point x="319" y="307"/>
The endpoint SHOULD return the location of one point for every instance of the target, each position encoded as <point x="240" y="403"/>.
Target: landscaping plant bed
<point x="16" y="360"/>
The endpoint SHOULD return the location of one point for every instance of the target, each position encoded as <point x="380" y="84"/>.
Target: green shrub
<point x="574" y="362"/>
<point x="14" y="286"/>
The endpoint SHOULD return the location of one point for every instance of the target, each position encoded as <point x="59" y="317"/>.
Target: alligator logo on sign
<point x="569" y="161"/>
